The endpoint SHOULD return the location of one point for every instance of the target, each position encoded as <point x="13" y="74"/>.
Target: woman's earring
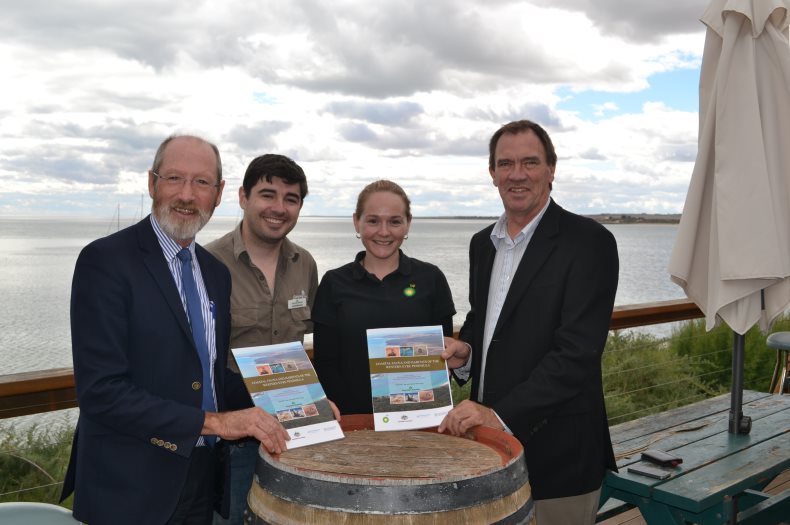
<point x="405" y="236"/>
<point x="358" y="236"/>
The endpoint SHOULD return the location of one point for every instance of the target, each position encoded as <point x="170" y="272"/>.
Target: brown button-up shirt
<point x="260" y="316"/>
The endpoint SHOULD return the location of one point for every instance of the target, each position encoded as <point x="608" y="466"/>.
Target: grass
<point x="33" y="463"/>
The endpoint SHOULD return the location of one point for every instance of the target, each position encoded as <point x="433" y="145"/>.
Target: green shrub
<point x="642" y="375"/>
<point x="712" y="353"/>
<point x="33" y="463"/>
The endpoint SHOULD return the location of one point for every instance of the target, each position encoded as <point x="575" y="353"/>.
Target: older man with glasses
<point x="150" y="323"/>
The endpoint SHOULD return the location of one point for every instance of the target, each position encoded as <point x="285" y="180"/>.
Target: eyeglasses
<point x="528" y="164"/>
<point x="177" y="181"/>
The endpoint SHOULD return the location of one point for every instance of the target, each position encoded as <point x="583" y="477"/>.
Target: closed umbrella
<point x="732" y="252"/>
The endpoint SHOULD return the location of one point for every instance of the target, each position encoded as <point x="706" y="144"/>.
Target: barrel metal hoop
<point x="393" y="499"/>
<point x="522" y="516"/>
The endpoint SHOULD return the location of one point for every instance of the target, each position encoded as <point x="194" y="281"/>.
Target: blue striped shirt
<point x="169" y="249"/>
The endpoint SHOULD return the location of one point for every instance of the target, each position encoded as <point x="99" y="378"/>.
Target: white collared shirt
<point x="509" y="253"/>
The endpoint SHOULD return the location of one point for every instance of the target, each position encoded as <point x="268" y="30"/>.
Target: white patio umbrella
<point x="732" y="252"/>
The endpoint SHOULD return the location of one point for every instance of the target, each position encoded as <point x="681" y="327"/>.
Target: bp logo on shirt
<point x="410" y="290"/>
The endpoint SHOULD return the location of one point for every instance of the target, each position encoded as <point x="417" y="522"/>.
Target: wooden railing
<point x="47" y="390"/>
<point x="631" y="316"/>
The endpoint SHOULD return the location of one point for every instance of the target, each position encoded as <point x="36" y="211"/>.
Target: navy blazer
<point x="138" y="376"/>
<point x="543" y="367"/>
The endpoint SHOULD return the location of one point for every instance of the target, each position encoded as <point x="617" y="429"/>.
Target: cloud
<point x="537" y="112"/>
<point x="639" y="21"/>
<point x="402" y="89"/>
<point x="147" y="31"/>
<point x="601" y="109"/>
<point x="71" y="153"/>
<point x="356" y="132"/>
<point x="258" y="137"/>
<point x="591" y="154"/>
<point x="400" y="113"/>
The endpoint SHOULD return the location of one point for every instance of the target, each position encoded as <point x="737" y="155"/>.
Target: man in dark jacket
<point x="541" y="290"/>
<point x="150" y="325"/>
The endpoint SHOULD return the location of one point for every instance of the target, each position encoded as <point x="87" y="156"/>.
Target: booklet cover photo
<point x="281" y="380"/>
<point x="409" y="379"/>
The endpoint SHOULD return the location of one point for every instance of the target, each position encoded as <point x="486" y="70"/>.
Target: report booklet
<point x="409" y="379"/>
<point x="282" y="381"/>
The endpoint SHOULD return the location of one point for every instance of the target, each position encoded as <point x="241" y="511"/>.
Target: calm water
<point x="37" y="258"/>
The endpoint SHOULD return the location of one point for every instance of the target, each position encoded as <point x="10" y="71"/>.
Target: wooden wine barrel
<point x="407" y="477"/>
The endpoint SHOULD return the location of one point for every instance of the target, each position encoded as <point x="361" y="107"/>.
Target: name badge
<point x="298" y="301"/>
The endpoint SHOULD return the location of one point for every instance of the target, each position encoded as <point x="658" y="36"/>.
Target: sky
<point x="353" y="91"/>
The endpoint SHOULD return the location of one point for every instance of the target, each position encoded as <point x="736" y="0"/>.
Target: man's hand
<point x="335" y="410"/>
<point x="456" y="352"/>
<point x="466" y="415"/>
<point x="254" y="422"/>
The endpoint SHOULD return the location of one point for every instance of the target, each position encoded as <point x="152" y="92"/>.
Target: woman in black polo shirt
<point x="382" y="288"/>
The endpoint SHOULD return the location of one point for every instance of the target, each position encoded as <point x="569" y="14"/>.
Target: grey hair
<point x="160" y="153"/>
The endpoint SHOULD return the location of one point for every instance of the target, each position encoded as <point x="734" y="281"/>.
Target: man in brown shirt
<point x="274" y="284"/>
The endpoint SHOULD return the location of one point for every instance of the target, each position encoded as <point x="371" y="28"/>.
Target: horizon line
<point x="598" y="214"/>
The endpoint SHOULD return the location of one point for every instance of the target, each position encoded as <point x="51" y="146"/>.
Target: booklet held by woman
<point x="282" y="381"/>
<point x="409" y="378"/>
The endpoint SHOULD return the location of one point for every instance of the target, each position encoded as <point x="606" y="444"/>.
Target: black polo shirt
<point x="350" y="300"/>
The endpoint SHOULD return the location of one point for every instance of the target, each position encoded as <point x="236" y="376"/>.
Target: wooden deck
<point x="634" y="517"/>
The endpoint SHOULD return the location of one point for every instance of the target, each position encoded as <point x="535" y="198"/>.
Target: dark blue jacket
<point x="138" y="377"/>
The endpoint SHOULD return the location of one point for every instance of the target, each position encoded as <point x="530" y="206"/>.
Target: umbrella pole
<point x="739" y="424"/>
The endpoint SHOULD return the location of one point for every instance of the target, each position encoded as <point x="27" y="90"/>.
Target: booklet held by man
<point x="409" y="378"/>
<point x="281" y="380"/>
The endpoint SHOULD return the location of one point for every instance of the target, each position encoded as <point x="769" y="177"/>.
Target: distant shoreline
<point x="636" y="218"/>
<point x="603" y="218"/>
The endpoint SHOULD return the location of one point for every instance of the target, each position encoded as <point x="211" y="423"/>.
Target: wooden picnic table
<point x="722" y="474"/>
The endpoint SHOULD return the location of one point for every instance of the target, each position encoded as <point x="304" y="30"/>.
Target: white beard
<point x="176" y="227"/>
